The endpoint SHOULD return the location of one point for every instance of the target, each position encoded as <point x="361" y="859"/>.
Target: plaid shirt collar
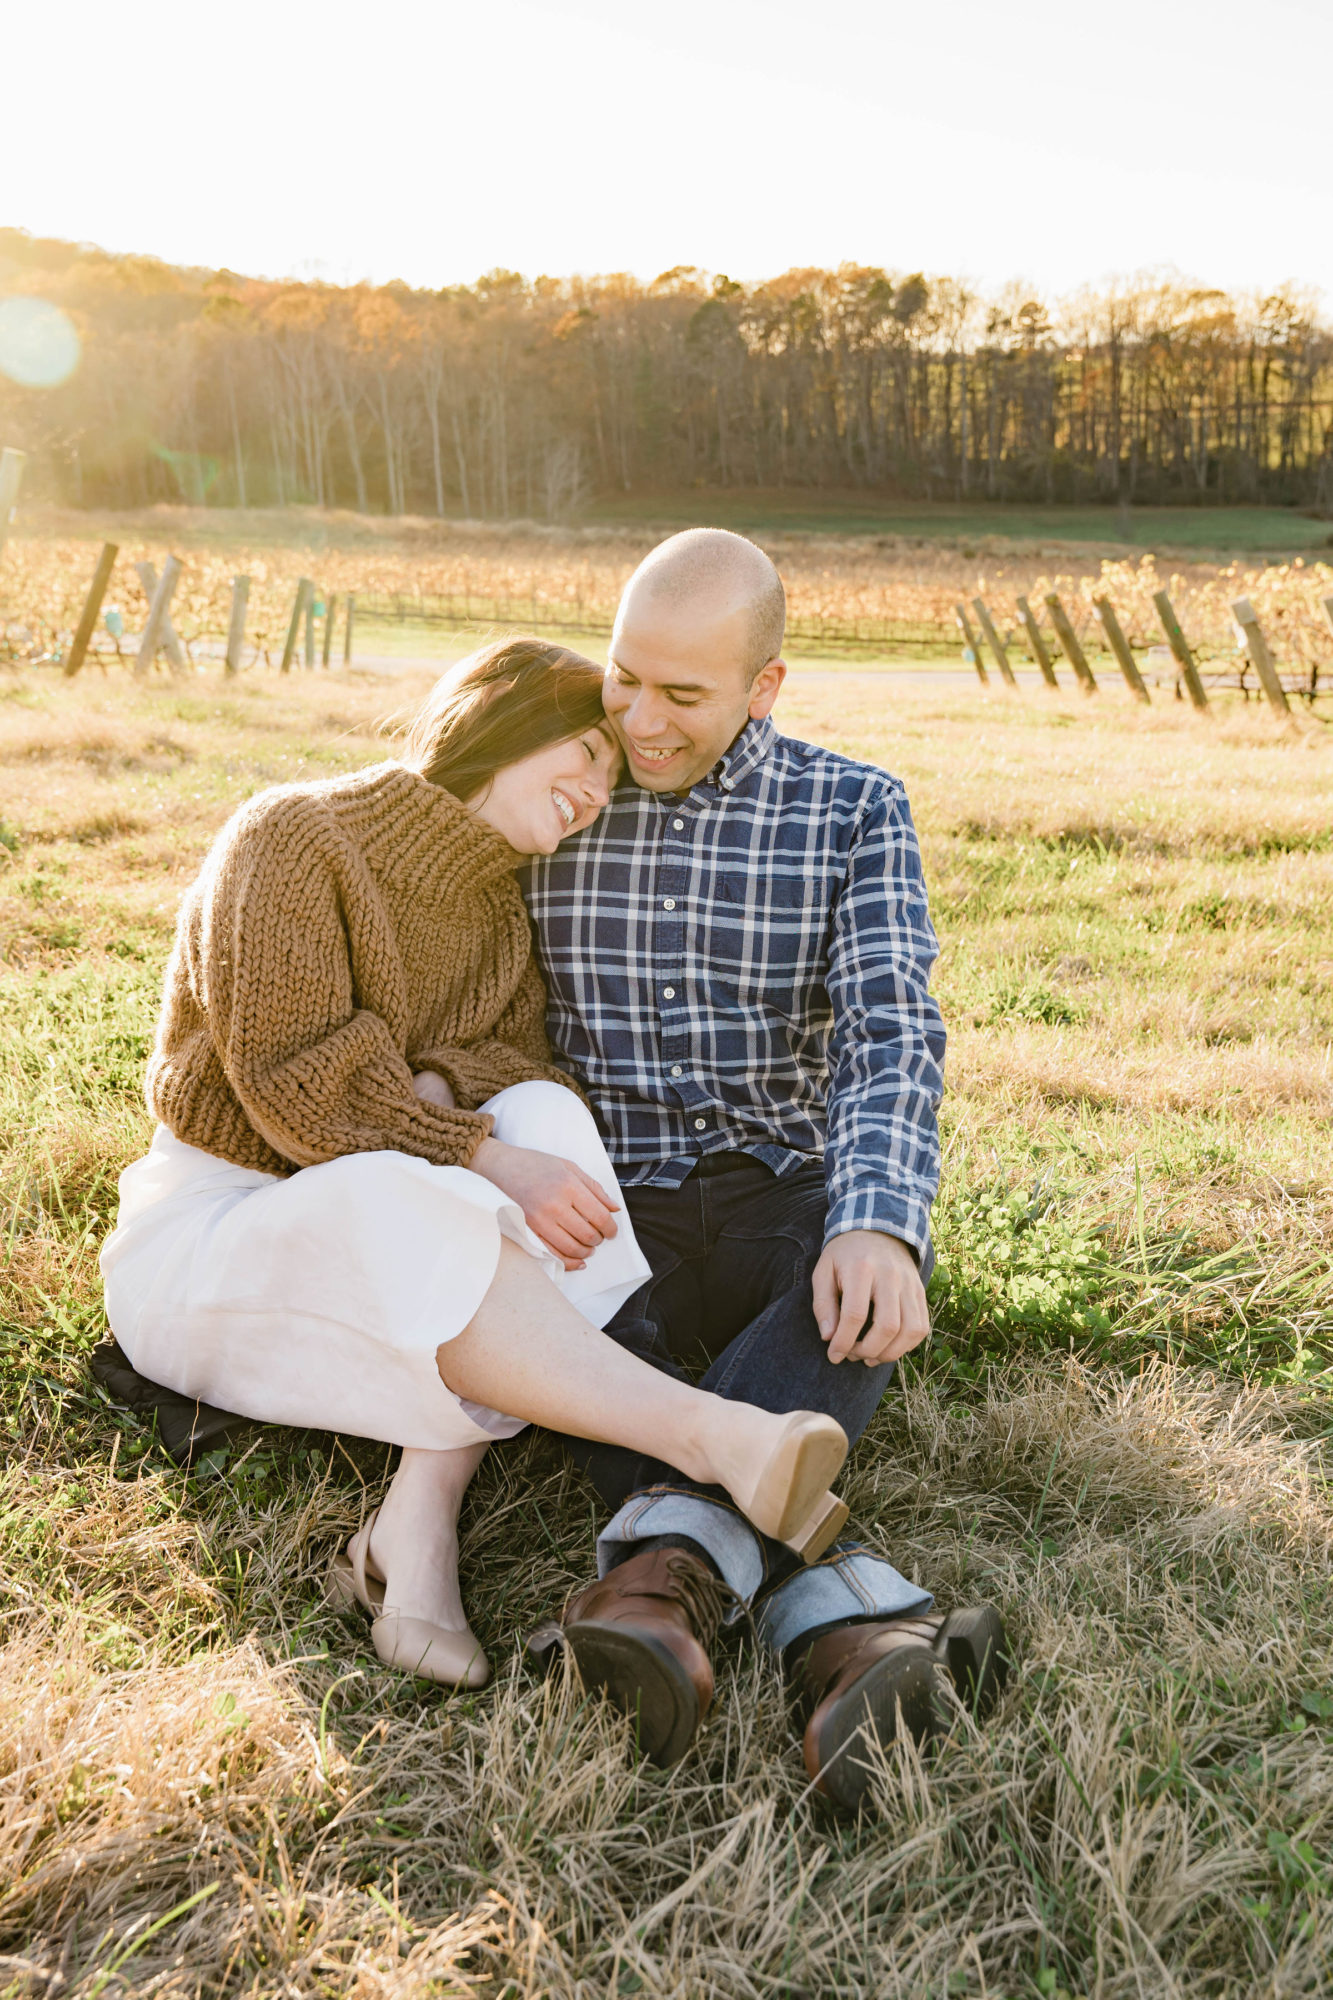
<point x="746" y="754"/>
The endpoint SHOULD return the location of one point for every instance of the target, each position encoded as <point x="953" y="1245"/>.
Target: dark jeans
<point x="733" y="1252"/>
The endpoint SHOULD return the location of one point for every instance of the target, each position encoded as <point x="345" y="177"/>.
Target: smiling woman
<point x="517" y="731"/>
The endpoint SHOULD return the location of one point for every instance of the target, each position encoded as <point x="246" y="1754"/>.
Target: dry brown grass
<point x="1162" y="1550"/>
<point x="1137" y="917"/>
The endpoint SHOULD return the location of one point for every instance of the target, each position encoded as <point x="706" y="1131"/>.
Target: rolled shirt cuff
<point x="888" y="1214"/>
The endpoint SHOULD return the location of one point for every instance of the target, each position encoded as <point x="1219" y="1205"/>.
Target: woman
<point x="372" y="1203"/>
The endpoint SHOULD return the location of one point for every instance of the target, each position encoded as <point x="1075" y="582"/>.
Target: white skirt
<point x="321" y="1299"/>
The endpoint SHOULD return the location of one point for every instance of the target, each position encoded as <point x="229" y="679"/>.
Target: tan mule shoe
<point x="413" y="1645"/>
<point x="789" y="1498"/>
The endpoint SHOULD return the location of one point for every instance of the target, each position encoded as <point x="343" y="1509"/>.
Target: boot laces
<point x="705" y="1597"/>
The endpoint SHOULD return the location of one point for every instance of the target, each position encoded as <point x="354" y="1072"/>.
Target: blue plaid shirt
<point x="748" y="966"/>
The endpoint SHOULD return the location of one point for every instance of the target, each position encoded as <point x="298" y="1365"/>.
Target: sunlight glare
<point x="39" y="346"/>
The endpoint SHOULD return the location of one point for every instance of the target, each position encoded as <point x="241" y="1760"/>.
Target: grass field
<point x="1223" y="531"/>
<point x="1120" y="1433"/>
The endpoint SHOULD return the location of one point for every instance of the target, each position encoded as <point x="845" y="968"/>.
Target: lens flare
<point x="39" y="346"/>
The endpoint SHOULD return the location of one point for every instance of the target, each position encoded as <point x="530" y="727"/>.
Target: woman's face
<point x="534" y="803"/>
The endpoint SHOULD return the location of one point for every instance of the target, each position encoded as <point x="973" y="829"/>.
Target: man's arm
<point x="885" y="1081"/>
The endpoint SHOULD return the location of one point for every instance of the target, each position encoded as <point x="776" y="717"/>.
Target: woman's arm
<point x="316" y="1075"/>
<point x="564" y="1206"/>
<point x="515" y="1051"/>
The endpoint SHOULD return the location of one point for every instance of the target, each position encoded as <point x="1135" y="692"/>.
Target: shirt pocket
<point x="768" y="942"/>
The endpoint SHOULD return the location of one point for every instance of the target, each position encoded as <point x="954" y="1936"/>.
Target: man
<point x="738" y="954"/>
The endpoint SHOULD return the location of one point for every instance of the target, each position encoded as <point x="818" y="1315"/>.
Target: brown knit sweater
<point x="341" y="935"/>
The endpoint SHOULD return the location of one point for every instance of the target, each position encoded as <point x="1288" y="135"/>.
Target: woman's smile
<point x="574" y="776"/>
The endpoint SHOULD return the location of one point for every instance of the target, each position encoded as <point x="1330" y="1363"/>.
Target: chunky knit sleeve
<point x="316" y="1075"/>
<point x="516" y="1052"/>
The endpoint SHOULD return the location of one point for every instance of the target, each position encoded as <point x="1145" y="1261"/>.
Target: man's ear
<point x="764" y="688"/>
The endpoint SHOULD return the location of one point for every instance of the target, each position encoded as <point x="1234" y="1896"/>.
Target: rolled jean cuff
<point x="849" y="1582"/>
<point x="666" y="1510"/>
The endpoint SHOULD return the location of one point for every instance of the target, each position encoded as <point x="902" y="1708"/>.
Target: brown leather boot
<point x="862" y="1677"/>
<point x="643" y="1635"/>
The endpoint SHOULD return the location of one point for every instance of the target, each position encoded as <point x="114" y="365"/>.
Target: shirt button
<point x="679" y="825"/>
<point x="668" y="902"/>
<point x="676" y="1070"/>
<point x="699" y="1124"/>
<point x="668" y="992"/>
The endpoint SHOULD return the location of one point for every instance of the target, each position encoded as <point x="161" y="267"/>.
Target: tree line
<point x="525" y="397"/>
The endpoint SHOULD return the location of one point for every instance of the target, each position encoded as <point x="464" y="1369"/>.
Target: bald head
<point x="696" y="654"/>
<point x="710" y="576"/>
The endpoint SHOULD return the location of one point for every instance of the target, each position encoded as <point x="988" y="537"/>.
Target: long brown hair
<point x="499" y="705"/>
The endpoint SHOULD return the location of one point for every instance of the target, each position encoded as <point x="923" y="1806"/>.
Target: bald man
<point x="738" y="954"/>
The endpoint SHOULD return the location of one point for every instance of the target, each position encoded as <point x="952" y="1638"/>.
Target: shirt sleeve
<point x="317" y="1076"/>
<point x="882" y="1160"/>
<point x="516" y="1052"/>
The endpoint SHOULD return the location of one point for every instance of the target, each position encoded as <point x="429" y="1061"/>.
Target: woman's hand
<point x="560" y="1203"/>
<point x="432" y="1089"/>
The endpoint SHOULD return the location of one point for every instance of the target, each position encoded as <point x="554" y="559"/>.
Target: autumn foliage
<point x="521" y="398"/>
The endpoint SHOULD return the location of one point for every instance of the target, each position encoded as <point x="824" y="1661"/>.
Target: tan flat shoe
<point x="413" y="1645"/>
<point x="789" y="1498"/>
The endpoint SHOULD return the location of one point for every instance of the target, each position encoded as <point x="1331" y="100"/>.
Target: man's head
<point x="695" y="653"/>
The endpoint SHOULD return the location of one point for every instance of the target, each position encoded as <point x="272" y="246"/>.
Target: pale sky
<point x="990" y="139"/>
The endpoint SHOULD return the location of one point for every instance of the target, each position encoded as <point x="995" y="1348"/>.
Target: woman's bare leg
<point x="529" y="1353"/>
<point x="415" y="1543"/>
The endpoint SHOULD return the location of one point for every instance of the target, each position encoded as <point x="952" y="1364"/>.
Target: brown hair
<point x="499" y="705"/>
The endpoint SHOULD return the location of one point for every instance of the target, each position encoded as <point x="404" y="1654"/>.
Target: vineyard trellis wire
<point x="848" y="598"/>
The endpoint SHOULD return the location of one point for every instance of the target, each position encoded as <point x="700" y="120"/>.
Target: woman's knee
<point x="536" y="1114"/>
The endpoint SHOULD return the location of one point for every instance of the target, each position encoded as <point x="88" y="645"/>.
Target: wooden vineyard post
<point x="11" y="478"/>
<point x="1069" y="645"/>
<point x="303" y="589"/>
<point x="168" y="639"/>
<point x="1256" y="646"/>
<point x="972" y="642"/>
<point x="310" y="602"/>
<point x="1037" y="644"/>
<point x="995" y="642"/>
<point x="159" y="612"/>
<point x="1120" y="646"/>
<point x="1184" y="658"/>
<point x="92" y="604"/>
<point x="240" y="604"/>
<point x="330" y="614"/>
<point x="347" y="628"/>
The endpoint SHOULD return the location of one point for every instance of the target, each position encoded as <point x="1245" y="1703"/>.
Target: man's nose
<point x="644" y="715"/>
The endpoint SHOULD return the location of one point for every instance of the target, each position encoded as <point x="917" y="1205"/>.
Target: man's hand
<point x="562" y="1204"/>
<point x="865" y="1276"/>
